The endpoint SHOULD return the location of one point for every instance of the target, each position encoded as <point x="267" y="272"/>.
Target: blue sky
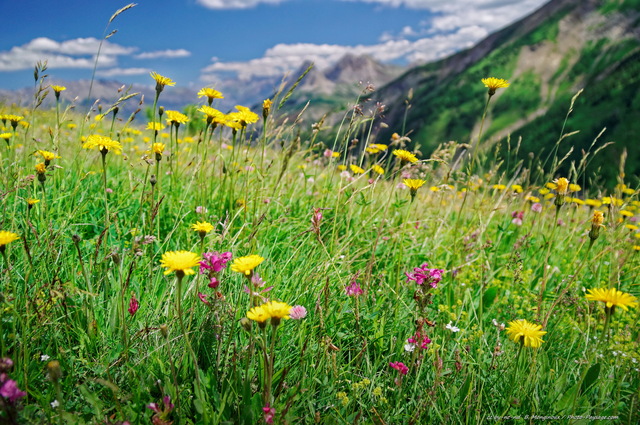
<point x="201" y="42"/>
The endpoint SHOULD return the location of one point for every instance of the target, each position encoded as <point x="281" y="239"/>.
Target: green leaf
<point x="590" y="378"/>
<point x="489" y="296"/>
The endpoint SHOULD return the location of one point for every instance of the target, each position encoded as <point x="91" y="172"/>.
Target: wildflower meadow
<point x="249" y="266"/>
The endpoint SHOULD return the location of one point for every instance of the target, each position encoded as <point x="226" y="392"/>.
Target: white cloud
<point x="179" y="53"/>
<point x="234" y="4"/>
<point x="76" y="53"/>
<point x="112" y="72"/>
<point x="452" y="26"/>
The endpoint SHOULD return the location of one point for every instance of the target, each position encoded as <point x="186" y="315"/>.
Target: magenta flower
<point x="161" y="417"/>
<point x="203" y="298"/>
<point x="213" y="282"/>
<point x="418" y="339"/>
<point x="269" y="414"/>
<point x="214" y="262"/>
<point x="354" y="289"/>
<point x="537" y="207"/>
<point x="134" y="305"/>
<point x="424" y="275"/>
<point x="297" y="312"/>
<point x="400" y="367"/>
<point x="9" y="389"/>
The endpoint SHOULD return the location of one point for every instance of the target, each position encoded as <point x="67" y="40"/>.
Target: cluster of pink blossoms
<point x="424" y="275"/>
<point x="212" y="263"/>
<point x="400" y="367"/>
<point x="419" y="340"/>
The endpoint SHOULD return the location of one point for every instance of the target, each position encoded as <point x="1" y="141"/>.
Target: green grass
<point x="68" y="281"/>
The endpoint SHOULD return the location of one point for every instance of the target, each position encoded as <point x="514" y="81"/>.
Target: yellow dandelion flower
<point x="277" y="309"/>
<point x="405" y="156"/>
<point x="636" y="247"/>
<point x="161" y="81"/>
<point x="335" y="154"/>
<point x="266" y="108"/>
<point x="574" y="187"/>
<point x="342" y="167"/>
<point x="245" y="116"/>
<point x="202" y="227"/>
<point x="631" y="227"/>
<point x="181" y="262"/>
<point x="155" y="126"/>
<point x="48" y="156"/>
<point x="562" y="185"/>
<point x="355" y="169"/>
<point x="413" y="184"/>
<point x="14" y="119"/>
<point x="32" y="201"/>
<point x="516" y="188"/>
<point x="6" y="136"/>
<point x="57" y="90"/>
<point x="532" y="199"/>
<point x="176" y="118"/>
<point x="258" y="314"/>
<point x="628" y="191"/>
<point x="371" y="149"/>
<point x="41" y="168"/>
<point x="103" y="144"/>
<point x="158" y="148"/>
<point x="499" y="187"/>
<point x="593" y="203"/>
<point x="211" y="114"/>
<point x="612" y="298"/>
<point x="379" y="146"/>
<point x="526" y="333"/>
<point x="598" y="218"/>
<point x="377" y="169"/>
<point x="626" y="213"/>
<point x="493" y="84"/>
<point x="210" y="94"/>
<point x="246" y="264"/>
<point x="6" y="238"/>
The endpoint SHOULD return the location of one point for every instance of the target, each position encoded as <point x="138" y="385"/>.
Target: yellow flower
<point x="103" y="143"/>
<point x="176" y="118"/>
<point x="598" y="218"/>
<point x="377" y="169"/>
<point x="494" y="83"/>
<point x="202" y="227"/>
<point x="612" y="298"/>
<point x="405" y="156"/>
<point x="342" y="167"/>
<point x="32" y="201"/>
<point x="161" y="81"/>
<point x="371" y="149"/>
<point x="277" y="309"/>
<point x="41" y="168"/>
<point x="158" y="148"/>
<point x="258" y="314"/>
<point x="413" y="184"/>
<point x="244" y="116"/>
<point x="155" y="126"/>
<point x="562" y="185"/>
<point x="13" y="119"/>
<point x="626" y="213"/>
<point x="6" y="136"/>
<point x="48" y="156"/>
<point x="574" y="188"/>
<point x="57" y="90"/>
<point x="6" y="238"/>
<point x="526" y="333"/>
<point x="631" y="227"/>
<point x="266" y="108"/>
<point x="210" y="94"/>
<point x="212" y="115"/>
<point x="379" y="146"/>
<point x="335" y="154"/>
<point x="516" y="188"/>
<point x="246" y="264"/>
<point x="356" y="170"/>
<point x="499" y="187"/>
<point x="593" y="203"/>
<point x="533" y="199"/>
<point x="180" y="262"/>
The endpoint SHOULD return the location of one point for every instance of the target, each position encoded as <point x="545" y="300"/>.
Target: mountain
<point x="549" y="56"/>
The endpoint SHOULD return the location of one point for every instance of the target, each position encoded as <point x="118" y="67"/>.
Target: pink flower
<point x="537" y="207"/>
<point x="9" y="389"/>
<point x="418" y="339"/>
<point x="213" y="261"/>
<point x="269" y="414"/>
<point x="400" y="367"/>
<point x="134" y="305"/>
<point x="201" y="210"/>
<point x="328" y="153"/>
<point x="353" y="289"/>
<point x="298" y="312"/>
<point x="517" y="221"/>
<point x="424" y="274"/>
<point x="203" y="298"/>
<point x="213" y="282"/>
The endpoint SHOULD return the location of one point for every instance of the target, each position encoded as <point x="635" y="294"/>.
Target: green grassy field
<point x="409" y="295"/>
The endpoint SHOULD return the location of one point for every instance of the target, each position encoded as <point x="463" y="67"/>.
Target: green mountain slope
<point x="565" y="46"/>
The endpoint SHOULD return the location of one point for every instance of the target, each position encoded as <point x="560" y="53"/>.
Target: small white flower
<point x="44" y="358"/>
<point x="409" y="347"/>
<point x="55" y="403"/>
<point x="452" y="328"/>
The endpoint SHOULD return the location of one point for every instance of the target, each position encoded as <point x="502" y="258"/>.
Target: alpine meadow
<point x="418" y="256"/>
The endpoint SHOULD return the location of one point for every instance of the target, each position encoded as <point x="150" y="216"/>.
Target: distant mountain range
<point x="565" y="46"/>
